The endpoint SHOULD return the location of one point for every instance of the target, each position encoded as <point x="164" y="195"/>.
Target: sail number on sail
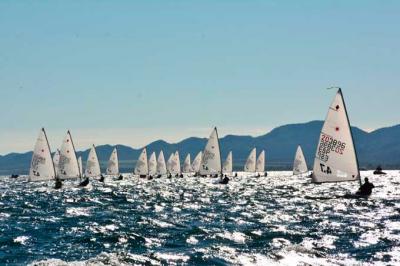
<point x="329" y="144"/>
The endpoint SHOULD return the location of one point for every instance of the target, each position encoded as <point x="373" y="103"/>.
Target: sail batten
<point x="336" y="156"/>
<point x="42" y="166"/>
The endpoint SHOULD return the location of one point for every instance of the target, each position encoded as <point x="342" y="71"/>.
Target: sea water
<point x="276" y="220"/>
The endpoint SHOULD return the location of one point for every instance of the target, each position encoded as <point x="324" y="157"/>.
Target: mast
<point x="219" y="148"/>
<point x="48" y="145"/>
<point x="73" y="146"/>
<point x="351" y="134"/>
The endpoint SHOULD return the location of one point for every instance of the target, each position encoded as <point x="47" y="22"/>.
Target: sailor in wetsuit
<point x="366" y="188"/>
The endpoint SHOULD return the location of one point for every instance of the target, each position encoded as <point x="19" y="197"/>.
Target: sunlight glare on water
<point x="280" y="219"/>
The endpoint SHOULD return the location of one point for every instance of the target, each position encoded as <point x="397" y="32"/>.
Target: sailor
<point x="224" y="181"/>
<point x="366" y="188"/>
<point x="101" y="178"/>
<point x="120" y="177"/>
<point x="84" y="183"/>
<point x="379" y="171"/>
<point x="58" y="184"/>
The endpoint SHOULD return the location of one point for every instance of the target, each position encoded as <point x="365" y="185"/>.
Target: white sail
<point x="152" y="164"/>
<point x="336" y="158"/>
<point x="142" y="164"/>
<point x="197" y="162"/>
<point x="56" y="160"/>
<point x="228" y="164"/>
<point x="42" y="167"/>
<point x="161" y="166"/>
<point x="211" y="159"/>
<point x="80" y="166"/>
<point x="299" y="164"/>
<point x="260" y="165"/>
<point x="113" y="165"/>
<point x="187" y="168"/>
<point x="175" y="164"/>
<point x="68" y="165"/>
<point x="250" y="165"/>
<point x="92" y="164"/>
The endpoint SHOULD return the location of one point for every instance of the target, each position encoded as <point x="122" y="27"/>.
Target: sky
<point x="131" y="72"/>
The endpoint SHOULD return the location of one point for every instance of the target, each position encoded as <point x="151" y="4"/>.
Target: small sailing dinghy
<point x="113" y="165"/>
<point x="152" y="165"/>
<point x="196" y="163"/>
<point x="211" y="164"/>
<point x="42" y="166"/>
<point x="93" y="166"/>
<point x="187" y="167"/>
<point x="336" y="157"/>
<point x="142" y="169"/>
<point x="161" y="166"/>
<point x="228" y="164"/>
<point x="175" y="164"/>
<point x="299" y="164"/>
<point x="250" y="166"/>
<point x="68" y="165"/>
<point x="260" y="164"/>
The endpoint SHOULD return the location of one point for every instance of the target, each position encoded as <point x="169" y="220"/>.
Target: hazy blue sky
<point x="131" y="72"/>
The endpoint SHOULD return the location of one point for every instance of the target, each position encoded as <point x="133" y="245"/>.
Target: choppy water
<point x="190" y="221"/>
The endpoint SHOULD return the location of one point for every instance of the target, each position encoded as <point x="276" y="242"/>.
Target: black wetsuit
<point x="365" y="189"/>
<point x="224" y="181"/>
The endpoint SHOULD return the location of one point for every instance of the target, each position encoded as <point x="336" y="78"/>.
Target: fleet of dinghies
<point x="335" y="159"/>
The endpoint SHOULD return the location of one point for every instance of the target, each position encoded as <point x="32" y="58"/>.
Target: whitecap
<point x="21" y="239"/>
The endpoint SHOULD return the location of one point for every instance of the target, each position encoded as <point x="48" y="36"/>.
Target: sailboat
<point x="161" y="166"/>
<point x="42" y="167"/>
<point x="228" y="164"/>
<point x="56" y="160"/>
<point x="299" y="164"/>
<point x="68" y="165"/>
<point x="187" y="167"/>
<point x="260" y="164"/>
<point x="152" y="165"/>
<point x="113" y="164"/>
<point x="211" y="159"/>
<point x="196" y="163"/>
<point x="336" y="156"/>
<point x="92" y="165"/>
<point x="142" y="169"/>
<point x="250" y="166"/>
<point x="175" y="165"/>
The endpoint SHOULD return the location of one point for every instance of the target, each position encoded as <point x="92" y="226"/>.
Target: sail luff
<point x="351" y="134"/>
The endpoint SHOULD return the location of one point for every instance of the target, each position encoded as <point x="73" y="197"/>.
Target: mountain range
<point x="380" y="147"/>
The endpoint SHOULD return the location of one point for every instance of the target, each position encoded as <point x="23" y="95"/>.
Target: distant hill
<point x="381" y="146"/>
